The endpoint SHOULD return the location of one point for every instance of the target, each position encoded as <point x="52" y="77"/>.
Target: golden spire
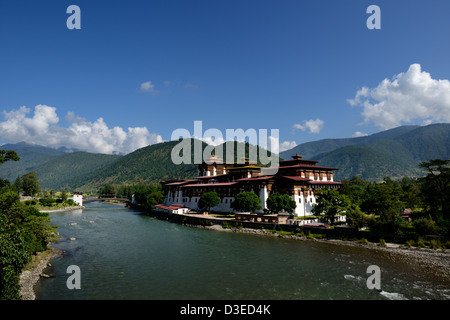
<point x="297" y="157"/>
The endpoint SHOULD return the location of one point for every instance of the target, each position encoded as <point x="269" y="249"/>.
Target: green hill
<point x="31" y="156"/>
<point x="70" y="170"/>
<point x="311" y="149"/>
<point x="149" y="164"/>
<point x="394" y="153"/>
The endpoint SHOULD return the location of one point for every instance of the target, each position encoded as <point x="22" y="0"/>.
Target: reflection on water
<point x="125" y="255"/>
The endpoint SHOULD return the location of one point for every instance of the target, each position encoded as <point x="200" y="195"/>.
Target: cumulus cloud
<point x="410" y="96"/>
<point x="359" y="134"/>
<point x="313" y="126"/>
<point x="42" y="128"/>
<point x="287" y="145"/>
<point x="148" y="87"/>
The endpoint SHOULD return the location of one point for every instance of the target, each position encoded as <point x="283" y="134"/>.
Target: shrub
<point x="47" y="202"/>
<point x="425" y="226"/>
<point x="447" y="245"/>
<point x="435" y="244"/>
<point x="31" y="202"/>
<point x="70" y="202"/>
<point x="409" y="243"/>
<point x="420" y="243"/>
<point x="363" y="241"/>
<point x="382" y="243"/>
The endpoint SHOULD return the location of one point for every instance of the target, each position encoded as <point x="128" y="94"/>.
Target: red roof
<point x="256" y="178"/>
<point x="220" y="184"/>
<point x="296" y="178"/>
<point x="211" y="177"/>
<point x="324" y="182"/>
<point x="179" y="183"/>
<point x="307" y="166"/>
<point x="175" y="206"/>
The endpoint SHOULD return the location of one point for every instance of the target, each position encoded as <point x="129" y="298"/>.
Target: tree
<point x="63" y="195"/>
<point x="435" y="187"/>
<point x="7" y="155"/>
<point x="355" y="189"/>
<point x="277" y="203"/>
<point x="208" y="200"/>
<point x="30" y="184"/>
<point x="330" y="203"/>
<point x="23" y="232"/>
<point x="410" y="193"/>
<point x="148" y="195"/>
<point x="246" y="202"/>
<point x="355" y="217"/>
<point x="383" y="200"/>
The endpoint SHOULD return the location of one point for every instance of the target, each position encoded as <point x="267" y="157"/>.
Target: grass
<point x="36" y="258"/>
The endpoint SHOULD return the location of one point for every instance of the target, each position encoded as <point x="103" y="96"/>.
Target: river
<point x="123" y="254"/>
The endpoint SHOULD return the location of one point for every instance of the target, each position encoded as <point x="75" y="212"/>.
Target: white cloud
<point x="287" y="145"/>
<point x="359" y="134"/>
<point x="42" y="128"/>
<point x="149" y="87"/>
<point x="409" y="96"/>
<point x="314" y="126"/>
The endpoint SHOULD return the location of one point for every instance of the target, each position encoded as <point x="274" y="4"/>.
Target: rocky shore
<point x="63" y="209"/>
<point x="29" y="278"/>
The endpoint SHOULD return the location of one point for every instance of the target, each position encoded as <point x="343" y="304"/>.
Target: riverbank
<point x="33" y="271"/>
<point x="63" y="209"/>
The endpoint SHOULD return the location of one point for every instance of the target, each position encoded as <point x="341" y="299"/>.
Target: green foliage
<point x="383" y="200"/>
<point x="409" y="243"/>
<point x="277" y="203"/>
<point x="7" y="155"/>
<point x="29" y="184"/>
<point x="420" y="243"/>
<point x="146" y="195"/>
<point x="23" y="232"/>
<point x="436" y="244"/>
<point x="208" y="200"/>
<point x="246" y="202"/>
<point x="331" y="203"/>
<point x="355" y="217"/>
<point x="363" y="241"/>
<point x="425" y="226"/>
<point x="435" y="187"/>
<point x="63" y="195"/>
<point x="47" y="202"/>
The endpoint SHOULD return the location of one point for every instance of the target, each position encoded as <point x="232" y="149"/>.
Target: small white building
<point x="78" y="199"/>
<point x="174" y="208"/>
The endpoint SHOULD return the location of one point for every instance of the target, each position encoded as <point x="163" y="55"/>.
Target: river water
<point x="122" y="254"/>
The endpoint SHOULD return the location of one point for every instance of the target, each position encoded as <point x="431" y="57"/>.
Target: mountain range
<point x="392" y="153"/>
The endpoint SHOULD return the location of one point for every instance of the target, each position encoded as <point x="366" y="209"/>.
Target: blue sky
<point x="155" y="66"/>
